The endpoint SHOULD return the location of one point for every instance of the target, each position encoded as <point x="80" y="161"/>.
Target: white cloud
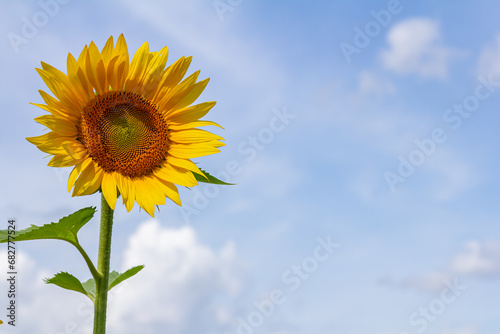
<point x="45" y="308"/>
<point x="477" y="259"/>
<point x="416" y="47"/>
<point x="185" y="286"/>
<point x="489" y="59"/>
<point x="480" y="259"/>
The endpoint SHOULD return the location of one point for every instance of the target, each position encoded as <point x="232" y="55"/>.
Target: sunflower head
<point x="126" y="128"/>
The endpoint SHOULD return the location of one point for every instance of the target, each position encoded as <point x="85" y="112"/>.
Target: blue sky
<point x="367" y="184"/>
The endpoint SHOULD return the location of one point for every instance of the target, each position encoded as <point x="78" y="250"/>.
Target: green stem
<point x="101" y="283"/>
<point x="92" y="269"/>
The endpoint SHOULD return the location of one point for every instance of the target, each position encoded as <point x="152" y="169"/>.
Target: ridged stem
<point x="104" y="256"/>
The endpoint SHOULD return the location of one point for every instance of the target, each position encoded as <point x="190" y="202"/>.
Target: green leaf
<point x="121" y="277"/>
<point x="207" y="178"/>
<point x="68" y="282"/>
<point x="89" y="287"/>
<point x="115" y="278"/>
<point x="66" y="229"/>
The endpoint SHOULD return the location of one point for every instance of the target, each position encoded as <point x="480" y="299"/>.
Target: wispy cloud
<point x="489" y="58"/>
<point x="476" y="259"/>
<point x="416" y="47"/>
<point x="207" y="36"/>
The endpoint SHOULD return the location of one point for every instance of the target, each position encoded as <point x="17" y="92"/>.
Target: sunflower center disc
<point x="124" y="132"/>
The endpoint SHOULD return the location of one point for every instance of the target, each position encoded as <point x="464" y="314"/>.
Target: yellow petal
<point x="77" y="78"/>
<point x="58" y="113"/>
<point x="121" y="49"/>
<point x="64" y="88"/>
<point x="108" y="187"/>
<point x="50" y="143"/>
<point x="49" y="100"/>
<point x="184" y="163"/>
<point x="170" y="190"/>
<point x="120" y="71"/>
<point x="122" y="64"/>
<point x="60" y="126"/>
<point x="76" y="172"/>
<point x="127" y="190"/>
<point x="85" y="83"/>
<point x="192" y="136"/>
<point x="181" y="126"/>
<point x="171" y="77"/>
<point x="89" y="180"/>
<point x="110" y="73"/>
<point x="58" y="89"/>
<point x="144" y="198"/>
<point x="177" y="175"/>
<point x="83" y="56"/>
<point x="94" y="184"/>
<point x="165" y="102"/>
<point x="138" y="67"/>
<point x="92" y="59"/>
<point x="62" y="161"/>
<point x="153" y="73"/>
<point x="101" y="76"/>
<point x="188" y="151"/>
<point x="190" y="114"/>
<point x="185" y="97"/>
<point x="107" y="50"/>
<point x="75" y="149"/>
<point x="46" y="138"/>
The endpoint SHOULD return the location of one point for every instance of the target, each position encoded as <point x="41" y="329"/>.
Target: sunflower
<point x="127" y="129"/>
